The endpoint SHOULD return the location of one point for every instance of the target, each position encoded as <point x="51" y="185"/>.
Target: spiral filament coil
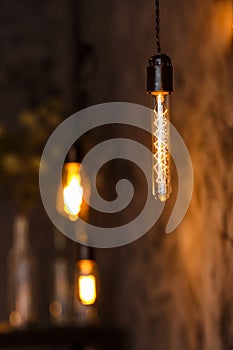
<point x="161" y="177"/>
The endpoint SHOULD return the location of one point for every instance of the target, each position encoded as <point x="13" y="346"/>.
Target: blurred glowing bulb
<point x="72" y="190"/>
<point x="87" y="289"/>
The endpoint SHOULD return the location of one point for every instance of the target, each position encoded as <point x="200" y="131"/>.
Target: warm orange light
<point x="15" y="318"/>
<point x="220" y="24"/>
<point x="55" y="309"/>
<point x="87" y="289"/>
<point x="87" y="281"/>
<point x="161" y="177"/>
<point x="72" y="190"/>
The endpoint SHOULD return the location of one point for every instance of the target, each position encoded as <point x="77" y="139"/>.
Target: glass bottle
<point x="59" y="307"/>
<point x="21" y="277"/>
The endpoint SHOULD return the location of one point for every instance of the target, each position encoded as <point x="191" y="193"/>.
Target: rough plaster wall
<point x="175" y="291"/>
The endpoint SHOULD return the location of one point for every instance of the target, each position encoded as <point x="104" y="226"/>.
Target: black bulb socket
<point x="159" y="74"/>
<point x="74" y="155"/>
<point x="85" y="252"/>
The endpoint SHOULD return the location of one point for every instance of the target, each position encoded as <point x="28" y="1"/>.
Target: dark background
<point x="174" y="291"/>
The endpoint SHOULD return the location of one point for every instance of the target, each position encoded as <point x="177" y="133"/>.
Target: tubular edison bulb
<point x="86" y="281"/>
<point x="159" y="85"/>
<point x="72" y="190"/>
<point x="161" y="178"/>
<point x="87" y="289"/>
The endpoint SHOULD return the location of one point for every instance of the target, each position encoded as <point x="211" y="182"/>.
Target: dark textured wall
<point x="175" y="291"/>
<point x="37" y="61"/>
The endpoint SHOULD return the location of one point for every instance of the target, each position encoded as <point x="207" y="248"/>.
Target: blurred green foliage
<point x="21" y="149"/>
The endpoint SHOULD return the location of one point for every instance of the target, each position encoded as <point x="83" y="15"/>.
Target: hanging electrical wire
<point x="157" y="26"/>
<point x="160" y="86"/>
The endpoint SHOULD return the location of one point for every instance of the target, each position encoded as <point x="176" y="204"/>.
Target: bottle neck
<point x="59" y="244"/>
<point x="20" y="233"/>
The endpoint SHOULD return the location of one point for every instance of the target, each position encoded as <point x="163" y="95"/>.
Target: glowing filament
<point x="72" y="190"/>
<point x="160" y="148"/>
<point x="87" y="289"/>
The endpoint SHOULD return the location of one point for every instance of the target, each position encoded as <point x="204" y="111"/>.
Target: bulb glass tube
<point x="70" y="201"/>
<point x="87" y="289"/>
<point x="161" y="177"/>
<point x="72" y="190"/>
<point x="86" y="282"/>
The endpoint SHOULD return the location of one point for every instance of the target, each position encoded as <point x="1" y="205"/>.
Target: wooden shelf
<point x="100" y="338"/>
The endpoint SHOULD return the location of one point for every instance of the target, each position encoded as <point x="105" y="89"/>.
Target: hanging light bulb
<point x="86" y="286"/>
<point x="160" y="86"/>
<point x="72" y="190"/>
<point x="70" y="194"/>
<point x="86" y="275"/>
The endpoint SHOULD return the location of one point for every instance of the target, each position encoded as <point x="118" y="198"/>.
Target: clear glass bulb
<point x="74" y="187"/>
<point x="72" y="190"/>
<point x="69" y="202"/>
<point x="86" y="287"/>
<point x="161" y="176"/>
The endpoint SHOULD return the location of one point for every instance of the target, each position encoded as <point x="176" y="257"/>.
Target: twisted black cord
<point x="157" y="33"/>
